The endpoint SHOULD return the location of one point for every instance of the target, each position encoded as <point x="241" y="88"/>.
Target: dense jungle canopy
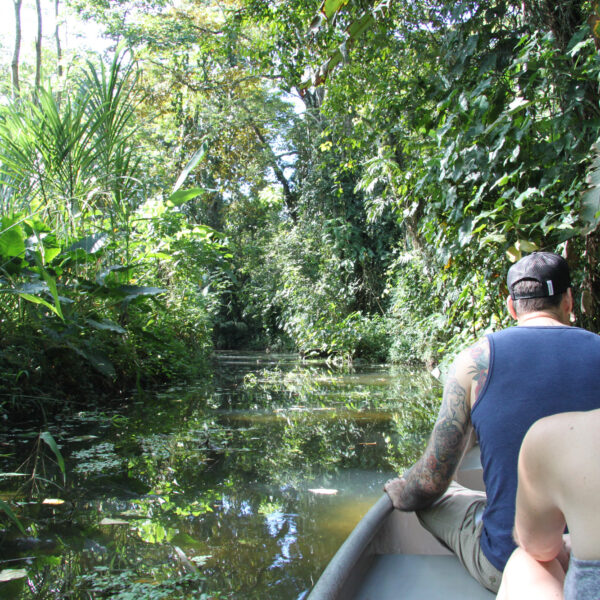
<point x="343" y="179"/>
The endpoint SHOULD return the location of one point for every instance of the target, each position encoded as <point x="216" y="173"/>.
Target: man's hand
<point x="394" y="488"/>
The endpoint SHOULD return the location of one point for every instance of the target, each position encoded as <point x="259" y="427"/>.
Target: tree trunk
<point x="561" y="17"/>
<point x="38" y="47"/>
<point x="290" y="197"/>
<point x="57" y="38"/>
<point x="15" y="60"/>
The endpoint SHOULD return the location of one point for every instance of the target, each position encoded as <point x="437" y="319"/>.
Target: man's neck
<point x="541" y="318"/>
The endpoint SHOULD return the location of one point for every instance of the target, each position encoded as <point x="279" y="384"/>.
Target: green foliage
<point x="467" y="136"/>
<point x="590" y="201"/>
<point x="127" y="586"/>
<point x="91" y="275"/>
<point x="171" y="199"/>
<point x="99" y="459"/>
<point x="418" y="323"/>
<point x="445" y="133"/>
<point x="316" y="299"/>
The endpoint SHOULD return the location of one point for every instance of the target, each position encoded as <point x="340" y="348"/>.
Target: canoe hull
<point x="390" y="556"/>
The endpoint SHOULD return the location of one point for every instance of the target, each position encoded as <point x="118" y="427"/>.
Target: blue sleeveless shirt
<point x="534" y="372"/>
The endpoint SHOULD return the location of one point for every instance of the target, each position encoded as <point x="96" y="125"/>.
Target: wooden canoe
<point x="389" y="556"/>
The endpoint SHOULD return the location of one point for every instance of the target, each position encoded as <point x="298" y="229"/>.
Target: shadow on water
<point x="242" y="486"/>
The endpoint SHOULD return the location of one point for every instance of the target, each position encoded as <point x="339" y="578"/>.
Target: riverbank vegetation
<point x="344" y="180"/>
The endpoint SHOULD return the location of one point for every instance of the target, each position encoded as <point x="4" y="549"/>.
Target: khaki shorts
<point x="456" y="520"/>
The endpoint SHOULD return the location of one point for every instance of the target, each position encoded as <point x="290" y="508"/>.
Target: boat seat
<point x="419" y="577"/>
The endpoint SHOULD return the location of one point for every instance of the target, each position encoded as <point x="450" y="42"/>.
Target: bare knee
<point x="524" y="577"/>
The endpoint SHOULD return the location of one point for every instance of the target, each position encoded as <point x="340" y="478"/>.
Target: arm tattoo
<point x="429" y="478"/>
<point x="480" y="356"/>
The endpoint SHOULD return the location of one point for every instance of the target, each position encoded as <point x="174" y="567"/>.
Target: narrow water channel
<point x="242" y="486"/>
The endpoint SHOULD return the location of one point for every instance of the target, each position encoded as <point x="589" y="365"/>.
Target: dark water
<point x="242" y="486"/>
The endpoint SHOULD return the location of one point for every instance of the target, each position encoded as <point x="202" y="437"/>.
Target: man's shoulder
<point x="477" y="355"/>
<point x="471" y="368"/>
<point x="554" y="445"/>
<point x="568" y="428"/>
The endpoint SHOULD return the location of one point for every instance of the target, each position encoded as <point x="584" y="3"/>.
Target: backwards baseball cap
<point x="551" y="270"/>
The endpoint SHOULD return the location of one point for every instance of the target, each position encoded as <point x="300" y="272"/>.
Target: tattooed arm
<point x="431" y="475"/>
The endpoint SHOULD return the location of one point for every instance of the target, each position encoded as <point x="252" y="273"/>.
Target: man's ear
<point x="569" y="303"/>
<point x="510" y="304"/>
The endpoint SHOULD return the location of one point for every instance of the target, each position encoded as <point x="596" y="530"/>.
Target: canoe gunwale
<point x="354" y="558"/>
<point x="339" y="572"/>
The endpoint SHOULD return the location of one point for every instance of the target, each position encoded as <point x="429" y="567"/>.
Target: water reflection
<point x="245" y="484"/>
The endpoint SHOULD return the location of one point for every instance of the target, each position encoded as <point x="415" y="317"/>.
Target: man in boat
<point x="557" y="488"/>
<point x="500" y="386"/>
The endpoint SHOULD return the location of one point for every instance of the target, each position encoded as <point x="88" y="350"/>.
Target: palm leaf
<point x="46" y="437"/>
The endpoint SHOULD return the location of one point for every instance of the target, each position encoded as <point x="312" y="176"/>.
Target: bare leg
<point x="528" y="579"/>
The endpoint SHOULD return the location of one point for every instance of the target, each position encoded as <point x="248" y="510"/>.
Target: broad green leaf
<point x="97" y="359"/>
<point x="102" y="275"/>
<point x="37" y="300"/>
<point x="330" y="7"/>
<point x="593" y="176"/>
<point x="105" y="325"/>
<point x="136" y="291"/>
<point x="32" y="287"/>
<point x="518" y="104"/>
<point x="501" y="182"/>
<point x="590" y="208"/>
<point x="141" y="290"/>
<point x="183" y="196"/>
<point x="46" y="436"/>
<point x="109" y="521"/>
<point x="50" y="254"/>
<point x="465" y="231"/>
<point x="51" y="282"/>
<point x="590" y="200"/>
<point x="575" y="50"/>
<point x="526" y="246"/>
<point x="12" y="238"/>
<point x="514" y="254"/>
<point x="4" y="506"/>
<point x="524" y="196"/>
<point x="198" y="156"/>
<point x="356" y="29"/>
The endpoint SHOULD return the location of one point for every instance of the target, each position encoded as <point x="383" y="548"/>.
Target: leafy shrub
<point x="419" y="326"/>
